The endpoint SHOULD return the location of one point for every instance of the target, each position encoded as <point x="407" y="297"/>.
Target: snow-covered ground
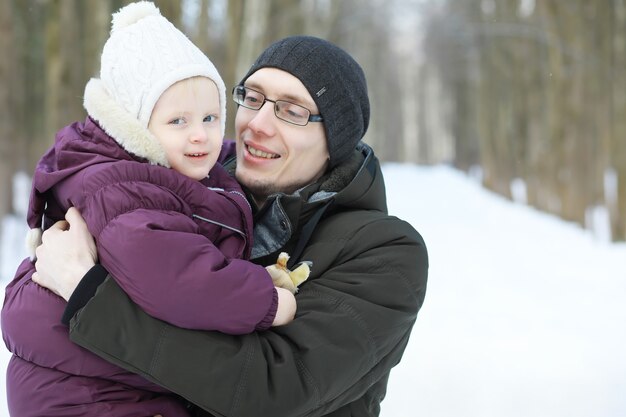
<point x="524" y="313"/>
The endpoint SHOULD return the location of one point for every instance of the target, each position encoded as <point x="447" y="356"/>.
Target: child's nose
<point x="198" y="134"/>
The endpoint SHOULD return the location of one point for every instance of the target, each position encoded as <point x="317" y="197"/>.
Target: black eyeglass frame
<point x="240" y="91"/>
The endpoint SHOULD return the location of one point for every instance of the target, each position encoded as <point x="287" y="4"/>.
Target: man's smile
<point x="261" y="154"/>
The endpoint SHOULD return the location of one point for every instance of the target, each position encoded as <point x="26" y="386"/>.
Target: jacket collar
<point x="355" y="184"/>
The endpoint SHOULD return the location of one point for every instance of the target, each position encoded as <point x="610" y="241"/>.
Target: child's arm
<point x="176" y="248"/>
<point x="179" y="276"/>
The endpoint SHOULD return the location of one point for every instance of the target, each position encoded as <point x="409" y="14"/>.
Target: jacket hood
<point x="119" y="124"/>
<point x="357" y="183"/>
<point x="76" y="147"/>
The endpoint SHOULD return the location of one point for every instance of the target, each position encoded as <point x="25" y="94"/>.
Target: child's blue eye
<point x="177" y="121"/>
<point x="210" y="118"/>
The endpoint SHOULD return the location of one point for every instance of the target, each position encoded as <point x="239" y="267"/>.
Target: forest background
<point x="529" y="96"/>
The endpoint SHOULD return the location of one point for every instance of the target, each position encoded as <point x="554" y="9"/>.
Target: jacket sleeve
<point x="31" y="331"/>
<point x="353" y="323"/>
<point x="178" y="275"/>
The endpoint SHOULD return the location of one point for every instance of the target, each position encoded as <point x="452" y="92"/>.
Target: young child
<point x="175" y="243"/>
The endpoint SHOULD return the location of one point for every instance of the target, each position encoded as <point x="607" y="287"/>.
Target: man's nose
<point x="264" y="119"/>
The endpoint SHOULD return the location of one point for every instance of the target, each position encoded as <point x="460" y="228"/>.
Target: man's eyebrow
<point x="298" y="99"/>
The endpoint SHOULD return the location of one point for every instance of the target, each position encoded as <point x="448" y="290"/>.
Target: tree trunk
<point x="8" y="138"/>
<point x="616" y="167"/>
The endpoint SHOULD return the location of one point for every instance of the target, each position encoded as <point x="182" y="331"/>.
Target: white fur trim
<point x="33" y="239"/>
<point x="120" y="125"/>
<point x="132" y="13"/>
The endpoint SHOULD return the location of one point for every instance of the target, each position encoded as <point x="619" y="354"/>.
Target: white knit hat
<point x="143" y="57"/>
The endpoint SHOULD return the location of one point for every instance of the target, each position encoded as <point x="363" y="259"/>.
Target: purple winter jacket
<point x="175" y="245"/>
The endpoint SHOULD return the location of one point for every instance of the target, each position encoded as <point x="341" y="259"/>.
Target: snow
<point x="524" y="313"/>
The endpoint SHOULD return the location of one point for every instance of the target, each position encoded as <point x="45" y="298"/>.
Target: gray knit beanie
<point x="336" y="83"/>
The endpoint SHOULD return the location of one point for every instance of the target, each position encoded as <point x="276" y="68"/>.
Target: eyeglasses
<point x="284" y="110"/>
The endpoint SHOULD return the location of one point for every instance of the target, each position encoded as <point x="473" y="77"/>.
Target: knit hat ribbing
<point x="143" y="57"/>
<point x="334" y="80"/>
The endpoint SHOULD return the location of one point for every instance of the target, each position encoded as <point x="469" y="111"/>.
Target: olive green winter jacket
<point x="354" y="319"/>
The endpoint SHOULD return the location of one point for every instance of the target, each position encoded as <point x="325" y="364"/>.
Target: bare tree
<point x="615" y="198"/>
<point x="8" y="94"/>
<point x="548" y="103"/>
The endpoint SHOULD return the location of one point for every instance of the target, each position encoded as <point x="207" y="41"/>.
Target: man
<point x="318" y="194"/>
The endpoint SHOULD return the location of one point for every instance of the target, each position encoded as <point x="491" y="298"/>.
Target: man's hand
<point x="67" y="252"/>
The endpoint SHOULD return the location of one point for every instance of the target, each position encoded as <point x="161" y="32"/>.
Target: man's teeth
<point x="262" y="154"/>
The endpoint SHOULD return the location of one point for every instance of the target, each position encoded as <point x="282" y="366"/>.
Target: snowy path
<point x="524" y="314"/>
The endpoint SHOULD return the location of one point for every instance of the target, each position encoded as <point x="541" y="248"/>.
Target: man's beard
<point x="260" y="190"/>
